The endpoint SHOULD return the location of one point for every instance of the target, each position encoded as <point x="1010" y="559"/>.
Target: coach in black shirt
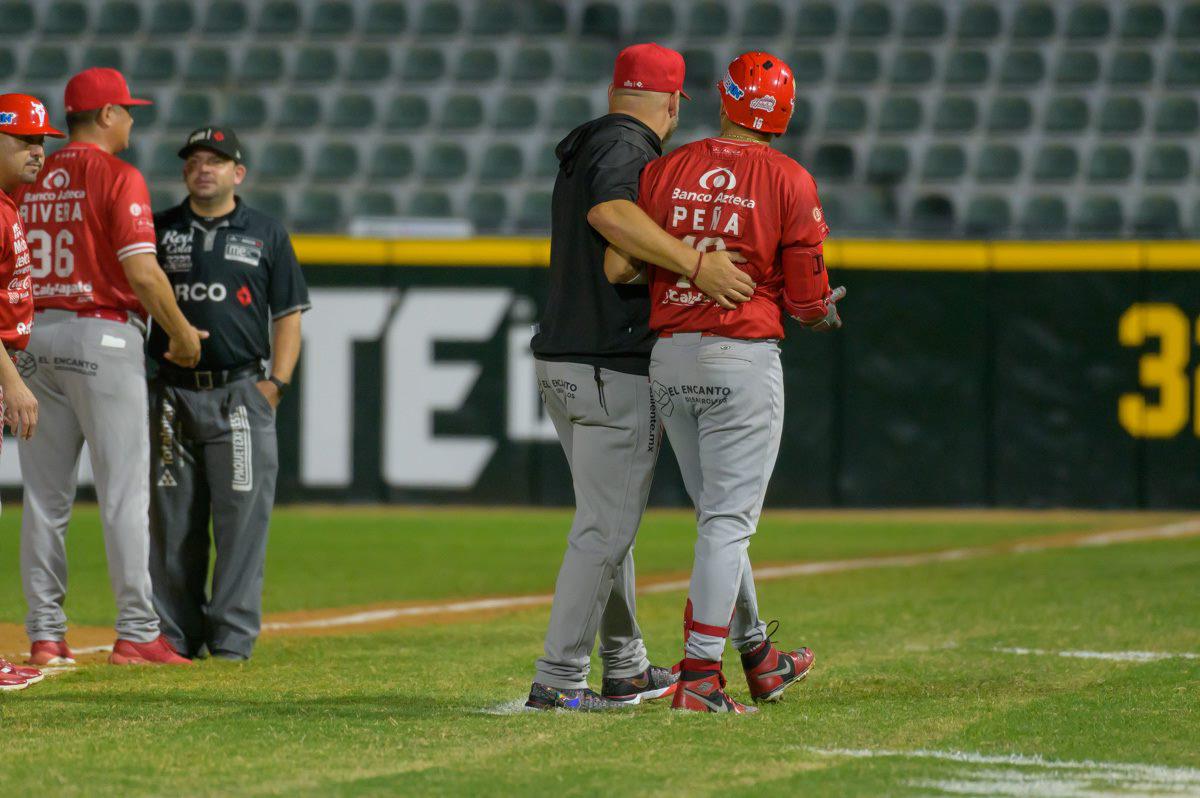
<point x="593" y="357"/>
<point x="212" y="428"/>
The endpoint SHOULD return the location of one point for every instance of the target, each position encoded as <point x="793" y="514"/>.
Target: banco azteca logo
<point x="719" y="178"/>
<point x="57" y="179"/>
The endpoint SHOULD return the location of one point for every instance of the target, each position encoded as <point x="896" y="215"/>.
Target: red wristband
<point x="699" y="260"/>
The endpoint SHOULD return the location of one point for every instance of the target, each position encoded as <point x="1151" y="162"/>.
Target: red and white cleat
<point x="156" y="652"/>
<point x="770" y="671"/>
<point x="12" y="683"/>
<point x="703" y="690"/>
<point x="50" y="652"/>
<point x="12" y="672"/>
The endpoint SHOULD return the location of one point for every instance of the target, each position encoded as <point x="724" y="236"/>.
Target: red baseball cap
<point x="649" y="67"/>
<point x="97" y="87"/>
<point x="23" y="115"/>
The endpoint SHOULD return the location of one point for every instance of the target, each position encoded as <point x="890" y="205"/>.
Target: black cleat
<point x="652" y="683"/>
<point x="583" y="700"/>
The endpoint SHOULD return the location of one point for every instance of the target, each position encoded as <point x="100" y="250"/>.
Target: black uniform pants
<point x="213" y="457"/>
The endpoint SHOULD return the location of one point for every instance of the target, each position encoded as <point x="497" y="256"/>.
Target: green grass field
<point x="910" y="695"/>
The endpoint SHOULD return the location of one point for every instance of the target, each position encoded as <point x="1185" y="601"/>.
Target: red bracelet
<point x="699" y="260"/>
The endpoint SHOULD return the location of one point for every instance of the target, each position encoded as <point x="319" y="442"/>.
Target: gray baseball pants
<point x="721" y="400"/>
<point x="89" y="378"/>
<point x="214" y="457"/>
<point x="611" y="436"/>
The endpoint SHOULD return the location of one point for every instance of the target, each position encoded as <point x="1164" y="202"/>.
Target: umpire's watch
<point x="279" y="384"/>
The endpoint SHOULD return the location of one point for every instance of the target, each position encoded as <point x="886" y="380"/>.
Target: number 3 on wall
<point x="1164" y="371"/>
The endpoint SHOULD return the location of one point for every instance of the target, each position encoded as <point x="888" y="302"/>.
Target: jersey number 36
<point x="49" y="254"/>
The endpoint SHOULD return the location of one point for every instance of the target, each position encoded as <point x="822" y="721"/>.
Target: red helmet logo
<point x="758" y="92"/>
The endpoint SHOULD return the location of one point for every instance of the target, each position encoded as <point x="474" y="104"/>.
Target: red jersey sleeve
<point x="805" y="281"/>
<point x="131" y="221"/>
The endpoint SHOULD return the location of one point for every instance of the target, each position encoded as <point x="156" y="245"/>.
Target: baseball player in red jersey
<point x="95" y="275"/>
<point x="716" y="374"/>
<point x="23" y="129"/>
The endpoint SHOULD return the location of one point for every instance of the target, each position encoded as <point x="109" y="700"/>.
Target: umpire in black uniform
<point x="212" y="428"/>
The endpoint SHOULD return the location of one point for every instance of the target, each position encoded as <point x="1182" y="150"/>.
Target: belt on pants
<point x="197" y="380"/>
<point x="111" y="314"/>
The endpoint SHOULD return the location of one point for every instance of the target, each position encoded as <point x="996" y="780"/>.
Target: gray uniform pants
<point x="721" y="400"/>
<point x="89" y="377"/>
<point x="607" y="426"/>
<point x="214" y="456"/>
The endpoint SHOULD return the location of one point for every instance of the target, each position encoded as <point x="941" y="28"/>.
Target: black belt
<point x="197" y="380"/>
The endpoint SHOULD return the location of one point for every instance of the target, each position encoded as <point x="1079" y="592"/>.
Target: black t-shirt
<point x="586" y="318"/>
<point x="232" y="276"/>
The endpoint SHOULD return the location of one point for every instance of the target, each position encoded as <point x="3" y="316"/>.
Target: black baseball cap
<point x="221" y="140"/>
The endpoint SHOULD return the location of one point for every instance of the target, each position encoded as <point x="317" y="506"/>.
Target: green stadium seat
<point x="118" y="18"/>
<point x="444" y="161"/>
<point x="654" y="21"/>
<point x="1010" y="114"/>
<point x="589" y="64"/>
<point x="816" y="20"/>
<point x="315" y="64"/>
<point x="336" y="161"/>
<point x="532" y="65"/>
<point x="278" y="18"/>
<point x="66" y="18"/>
<point x="1131" y="68"/>
<point x="331" y="18"/>
<point x="261" y="65"/>
<point x="1167" y="163"/>
<point x="369" y="65"/>
<point x="535" y="211"/>
<point x="478" y="65"/>
<point x="502" y="163"/>
<point x="493" y="18"/>
<point x="207" y="66"/>
<point x="808" y="66"/>
<point x="373" y="204"/>
<point x="872" y="212"/>
<point x="568" y="112"/>
<point x="1088" y="20"/>
<point x="161" y="199"/>
<point x="1077" y="68"/>
<point x="1056" y="163"/>
<point x="385" y="18"/>
<point x="516" y="112"/>
<point x="190" y="111"/>
<point x="1183" y="69"/>
<point x="833" y="162"/>
<point x="546" y="162"/>
<point x="846" y="115"/>
<point x="1187" y="24"/>
<point x="887" y="164"/>
<point x="924" y="21"/>
<point x="299" y="112"/>
<point x="152" y="65"/>
<point x="318" y="211"/>
<point x="391" y="161"/>
<point x="998" y="163"/>
<point x="430" y="204"/>
<point x="858" y="67"/>
<point x="487" y="210"/>
<point x="1066" y="115"/>
<point x="762" y="20"/>
<point x="245" y="112"/>
<point x="601" y="21"/>
<point x="543" y="17"/>
<point x="352" y="112"/>
<point x="702" y="113"/>
<point x="165" y="163"/>
<point x="462" y="112"/>
<point x="1099" y="217"/>
<point x="225" y="17"/>
<point x="967" y="68"/>
<point x="1176" y="116"/>
<point x="1022" y="68"/>
<point x="100" y="56"/>
<point x="979" y="22"/>
<point x="407" y="112"/>
<point x="145" y="116"/>
<point x="702" y="72"/>
<point x="955" y="115"/>
<point x="933" y="215"/>
<point x="912" y="68"/>
<point x="1033" y="21"/>
<point x="944" y="162"/>
<point x="870" y="20"/>
<point x="47" y="62"/>
<point x="1121" y="116"/>
<point x="1044" y="217"/>
<point x="8" y="65"/>
<point x="18" y="16"/>
<point x="1110" y="163"/>
<point x="899" y="115"/>
<point x="439" y="19"/>
<point x="1142" y="21"/>
<point x="422" y="64"/>
<point x="987" y="217"/>
<point x="1157" y="217"/>
<point x="708" y="20"/>
<point x="272" y="203"/>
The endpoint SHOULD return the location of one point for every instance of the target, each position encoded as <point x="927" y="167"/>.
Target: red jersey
<point x="87" y="211"/>
<point x="16" y="301"/>
<point x="747" y="198"/>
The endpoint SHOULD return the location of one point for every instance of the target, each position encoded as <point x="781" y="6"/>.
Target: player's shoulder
<point x="788" y="165"/>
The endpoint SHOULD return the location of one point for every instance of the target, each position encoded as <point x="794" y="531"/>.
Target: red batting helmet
<point x="758" y="92"/>
<point x="23" y="115"/>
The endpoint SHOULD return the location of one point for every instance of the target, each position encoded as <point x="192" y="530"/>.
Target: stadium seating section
<point x="1011" y="118"/>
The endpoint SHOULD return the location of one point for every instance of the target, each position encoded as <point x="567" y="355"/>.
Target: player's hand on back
<point x="20" y="409"/>
<point x="184" y="350"/>
<point x="722" y="281"/>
